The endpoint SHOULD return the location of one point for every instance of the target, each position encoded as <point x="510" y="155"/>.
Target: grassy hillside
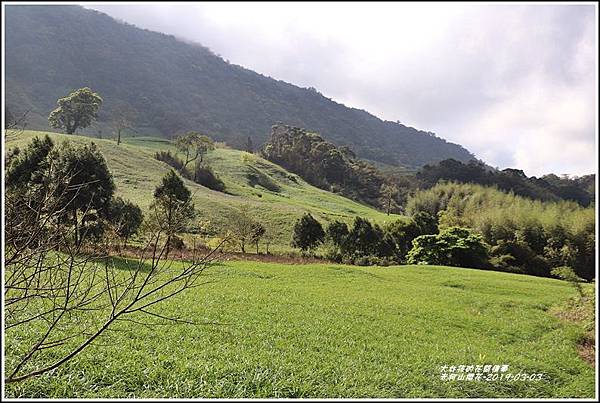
<point x="336" y="331"/>
<point x="176" y="86"/>
<point x="137" y="173"/>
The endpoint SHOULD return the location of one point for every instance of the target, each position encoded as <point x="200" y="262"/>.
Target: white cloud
<point x="515" y="84"/>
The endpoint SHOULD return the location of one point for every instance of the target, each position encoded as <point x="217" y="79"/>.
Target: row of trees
<point x="466" y="226"/>
<point x="363" y="242"/>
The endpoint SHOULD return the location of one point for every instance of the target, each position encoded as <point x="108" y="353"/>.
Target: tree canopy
<point x="77" y="110"/>
<point x="194" y="145"/>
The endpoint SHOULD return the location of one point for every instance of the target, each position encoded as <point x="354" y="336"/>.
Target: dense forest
<point x="524" y="236"/>
<point x="166" y="86"/>
<point x="547" y="188"/>
<point x="324" y="165"/>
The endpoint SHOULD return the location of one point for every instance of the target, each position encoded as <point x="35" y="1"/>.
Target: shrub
<point x="453" y="246"/>
<point x="331" y="251"/>
<point x="518" y="254"/>
<point x="364" y="238"/>
<point x="402" y="233"/>
<point x="506" y="263"/>
<point x="247" y="157"/>
<point x="125" y="217"/>
<point x="169" y="159"/>
<point x="176" y="243"/>
<point x="205" y="176"/>
<point x="568" y="274"/>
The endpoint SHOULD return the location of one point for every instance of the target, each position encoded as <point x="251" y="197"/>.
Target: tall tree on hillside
<point x="77" y="110"/>
<point x="123" y="119"/>
<point x="172" y="208"/>
<point x="388" y="194"/>
<point x="194" y="145"/>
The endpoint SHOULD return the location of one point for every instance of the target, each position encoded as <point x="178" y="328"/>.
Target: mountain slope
<point x="136" y="173"/>
<point x="173" y="86"/>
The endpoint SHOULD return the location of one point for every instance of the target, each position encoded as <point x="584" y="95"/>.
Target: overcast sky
<point x="515" y="84"/>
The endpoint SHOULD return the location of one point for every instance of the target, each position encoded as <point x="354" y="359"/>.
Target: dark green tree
<point x="308" y="233"/>
<point x="172" y="207"/>
<point x="337" y="232"/>
<point x="363" y="238"/>
<point x="402" y="233"/>
<point x="84" y="185"/>
<point x="205" y="176"/>
<point x="28" y="166"/>
<point x="425" y="222"/>
<point x="77" y="110"/>
<point x="125" y="216"/>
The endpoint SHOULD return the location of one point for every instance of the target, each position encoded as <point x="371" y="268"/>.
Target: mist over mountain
<point x="170" y="86"/>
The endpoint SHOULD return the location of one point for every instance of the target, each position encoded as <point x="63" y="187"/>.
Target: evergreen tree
<point x="172" y="206"/>
<point x="308" y="233"/>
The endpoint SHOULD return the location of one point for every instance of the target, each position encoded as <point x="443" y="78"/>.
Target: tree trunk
<point x="168" y="249"/>
<point x="76" y="228"/>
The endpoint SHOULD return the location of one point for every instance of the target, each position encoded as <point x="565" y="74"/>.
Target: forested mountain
<point x="167" y="86"/>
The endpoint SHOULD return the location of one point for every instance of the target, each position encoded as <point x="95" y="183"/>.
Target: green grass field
<point x="336" y="331"/>
<point x="137" y="173"/>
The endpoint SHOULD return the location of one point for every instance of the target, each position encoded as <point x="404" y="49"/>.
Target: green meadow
<point x="314" y="330"/>
<point x="324" y="330"/>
